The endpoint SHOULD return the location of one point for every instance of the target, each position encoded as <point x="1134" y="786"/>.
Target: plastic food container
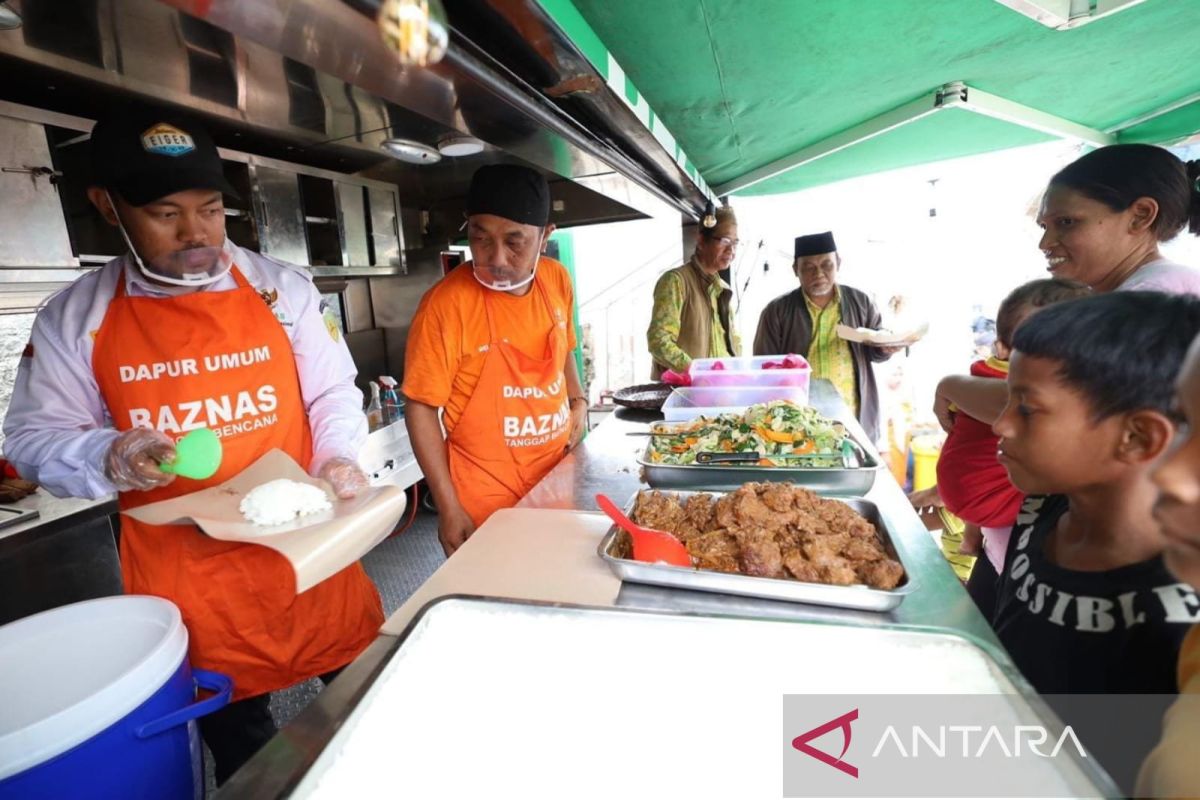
<point x="747" y="371"/>
<point x="689" y="402"/>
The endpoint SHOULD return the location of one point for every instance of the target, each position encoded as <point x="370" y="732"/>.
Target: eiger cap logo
<point x="164" y="139"/>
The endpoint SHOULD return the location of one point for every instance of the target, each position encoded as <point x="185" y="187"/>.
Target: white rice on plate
<point x="283" y="500"/>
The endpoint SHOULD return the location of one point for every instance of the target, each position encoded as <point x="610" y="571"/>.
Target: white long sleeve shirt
<point x="58" y="429"/>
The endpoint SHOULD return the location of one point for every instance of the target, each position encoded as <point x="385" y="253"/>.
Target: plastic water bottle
<point x="374" y="409"/>
<point x="393" y="406"/>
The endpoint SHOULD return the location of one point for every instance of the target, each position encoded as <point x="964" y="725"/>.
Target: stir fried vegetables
<point x="775" y="429"/>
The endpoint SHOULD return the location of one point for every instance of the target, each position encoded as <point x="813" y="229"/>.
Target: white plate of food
<point x="883" y="337"/>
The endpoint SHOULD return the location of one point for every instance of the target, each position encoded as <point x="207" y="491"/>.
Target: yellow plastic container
<point x="897" y="452"/>
<point x="925" y="450"/>
<point x="952" y="537"/>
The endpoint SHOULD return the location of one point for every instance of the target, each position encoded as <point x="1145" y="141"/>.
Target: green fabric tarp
<point x="741" y="84"/>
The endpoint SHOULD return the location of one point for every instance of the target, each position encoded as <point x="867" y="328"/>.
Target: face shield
<point x="507" y="277"/>
<point x="502" y="279"/>
<point x="193" y="267"/>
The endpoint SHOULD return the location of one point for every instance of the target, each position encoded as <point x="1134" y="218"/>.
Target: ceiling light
<point x="415" y="30"/>
<point x="456" y="145"/>
<point x="1066" y="14"/>
<point x="410" y="151"/>
<point x="9" y="19"/>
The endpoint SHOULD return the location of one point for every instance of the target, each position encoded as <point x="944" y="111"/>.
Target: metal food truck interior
<point x="357" y="168"/>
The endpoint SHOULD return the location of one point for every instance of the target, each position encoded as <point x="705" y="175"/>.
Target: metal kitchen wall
<point x="344" y="228"/>
<point x="310" y="82"/>
<point x="301" y="97"/>
<point x="70" y="60"/>
<point x="299" y="214"/>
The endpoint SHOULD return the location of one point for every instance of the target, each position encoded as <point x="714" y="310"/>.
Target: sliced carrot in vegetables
<point x="804" y="446"/>
<point x="691" y="440"/>
<point x="766" y="462"/>
<point x="773" y="436"/>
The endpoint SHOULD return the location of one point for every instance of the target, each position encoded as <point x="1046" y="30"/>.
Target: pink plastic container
<point x="748" y="371"/>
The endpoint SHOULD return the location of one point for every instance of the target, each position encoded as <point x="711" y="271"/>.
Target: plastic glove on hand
<point x="132" y="461"/>
<point x="345" y="476"/>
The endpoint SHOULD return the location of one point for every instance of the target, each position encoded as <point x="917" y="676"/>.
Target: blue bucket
<point x="99" y="701"/>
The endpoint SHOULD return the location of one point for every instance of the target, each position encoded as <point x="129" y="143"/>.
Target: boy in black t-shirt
<point x="1085" y="603"/>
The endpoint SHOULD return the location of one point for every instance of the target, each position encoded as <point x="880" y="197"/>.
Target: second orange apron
<point x="515" y="427"/>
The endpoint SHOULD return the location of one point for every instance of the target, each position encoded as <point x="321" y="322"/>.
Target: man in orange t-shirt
<point x="490" y="350"/>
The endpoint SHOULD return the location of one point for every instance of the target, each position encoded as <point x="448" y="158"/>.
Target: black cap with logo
<point x="144" y="154"/>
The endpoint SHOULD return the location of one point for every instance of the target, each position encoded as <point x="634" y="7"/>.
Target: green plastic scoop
<point x="197" y="455"/>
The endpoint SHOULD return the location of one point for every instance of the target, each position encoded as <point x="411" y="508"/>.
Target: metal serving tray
<point x="852" y="481"/>
<point x="860" y="597"/>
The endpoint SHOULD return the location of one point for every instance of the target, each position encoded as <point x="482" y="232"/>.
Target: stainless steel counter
<point x="53" y="511"/>
<point x="65" y="554"/>
<point x="606" y="462"/>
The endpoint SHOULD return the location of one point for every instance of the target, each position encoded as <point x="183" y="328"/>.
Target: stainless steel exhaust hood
<point x="300" y="95"/>
<point x="310" y="82"/>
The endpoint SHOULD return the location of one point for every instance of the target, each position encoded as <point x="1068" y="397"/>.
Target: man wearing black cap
<point x="189" y="331"/>
<point x="805" y="322"/>
<point x="490" y="350"/>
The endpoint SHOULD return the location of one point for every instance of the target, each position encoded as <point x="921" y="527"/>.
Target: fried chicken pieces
<point x="774" y="530"/>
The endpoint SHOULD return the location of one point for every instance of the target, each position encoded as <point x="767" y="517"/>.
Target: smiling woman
<point x="1105" y="214"/>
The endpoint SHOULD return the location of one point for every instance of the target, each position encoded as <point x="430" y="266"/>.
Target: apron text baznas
<point x="226" y="415"/>
<point x="531" y="431"/>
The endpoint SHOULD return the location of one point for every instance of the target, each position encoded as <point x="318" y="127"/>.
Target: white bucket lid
<point x="68" y="673"/>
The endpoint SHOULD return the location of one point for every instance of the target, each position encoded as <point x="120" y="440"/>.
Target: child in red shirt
<point x="972" y="483"/>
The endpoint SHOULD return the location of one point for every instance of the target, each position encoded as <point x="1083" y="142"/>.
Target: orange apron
<point x="514" y="428"/>
<point x="221" y="360"/>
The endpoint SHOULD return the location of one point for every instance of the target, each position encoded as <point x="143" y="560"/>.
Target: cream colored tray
<point x="317" y="546"/>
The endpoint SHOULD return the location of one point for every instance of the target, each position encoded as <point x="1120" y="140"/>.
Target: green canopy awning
<point x="744" y="84"/>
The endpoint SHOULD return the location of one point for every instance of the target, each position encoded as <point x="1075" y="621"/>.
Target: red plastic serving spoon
<point x="648" y="544"/>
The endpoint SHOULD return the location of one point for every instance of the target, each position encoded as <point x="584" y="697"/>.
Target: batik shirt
<point x="828" y="354"/>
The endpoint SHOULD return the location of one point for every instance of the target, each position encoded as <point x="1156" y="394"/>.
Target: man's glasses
<point x="725" y="241"/>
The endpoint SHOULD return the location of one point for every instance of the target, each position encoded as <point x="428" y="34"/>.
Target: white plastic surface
<point x="746" y="371"/>
<point x="689" y="402"/>
<point x="68" y="673"/>
<point x="512" y="700"/>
